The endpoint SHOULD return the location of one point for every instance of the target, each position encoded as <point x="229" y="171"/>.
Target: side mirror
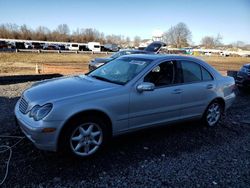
<point x="145" y="86"/>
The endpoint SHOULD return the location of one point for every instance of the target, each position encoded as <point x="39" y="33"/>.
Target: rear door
<point x="197" y="89"/>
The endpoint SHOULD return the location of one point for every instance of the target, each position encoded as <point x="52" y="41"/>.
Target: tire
<point x="84" y="138"/>
<point x="213" y="114"/>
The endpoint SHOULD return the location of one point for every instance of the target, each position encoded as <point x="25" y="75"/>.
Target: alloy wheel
<point x="213" y="114"/>
<point x="86" y="139"/>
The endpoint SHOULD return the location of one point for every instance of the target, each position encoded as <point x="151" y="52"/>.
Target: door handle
<point x="210" y="86"/>
<point x="177" y="91"/>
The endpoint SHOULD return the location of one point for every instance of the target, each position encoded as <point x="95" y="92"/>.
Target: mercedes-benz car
<point x="152" y="48"/>
<point x="78" y="114"/>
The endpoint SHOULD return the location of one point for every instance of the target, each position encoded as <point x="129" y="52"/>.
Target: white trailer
<point x="94" y="46"/>
<point x="73" y="46"/>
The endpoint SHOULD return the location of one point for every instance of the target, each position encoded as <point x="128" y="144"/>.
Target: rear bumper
<point x="229" y="100"/>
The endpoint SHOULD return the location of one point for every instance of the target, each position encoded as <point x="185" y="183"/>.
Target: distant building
<point x="157" y="35"/>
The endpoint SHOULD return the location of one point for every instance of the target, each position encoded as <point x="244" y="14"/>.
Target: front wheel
<point x="213" y="114"/>
<point x="85" y="137"/>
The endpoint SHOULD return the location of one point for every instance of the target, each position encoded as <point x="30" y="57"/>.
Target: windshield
<point x="120" y="71"/>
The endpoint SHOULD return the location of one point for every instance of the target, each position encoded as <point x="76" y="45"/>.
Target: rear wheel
<point x="213" y="114"/>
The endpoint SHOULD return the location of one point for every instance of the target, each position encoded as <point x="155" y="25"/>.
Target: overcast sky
<point x="230" y="18"/>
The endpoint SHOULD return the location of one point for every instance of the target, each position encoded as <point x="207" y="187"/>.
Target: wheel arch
<point x="219" y="100"/>
<point x="78" y="115"/>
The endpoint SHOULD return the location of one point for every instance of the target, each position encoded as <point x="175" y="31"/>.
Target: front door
<point x="160" y="105"/>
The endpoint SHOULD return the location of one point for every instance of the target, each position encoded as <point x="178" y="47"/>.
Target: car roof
<point x="163" y="57"/>
<point x="168" y="57"/>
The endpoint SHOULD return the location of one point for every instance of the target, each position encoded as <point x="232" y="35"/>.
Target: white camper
<point x="73" y="46"/>
<point x="94" y="46"/>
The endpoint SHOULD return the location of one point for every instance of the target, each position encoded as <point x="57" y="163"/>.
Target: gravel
<point x="182" y="155"/>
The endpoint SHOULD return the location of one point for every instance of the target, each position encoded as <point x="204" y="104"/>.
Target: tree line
<point x="177" y="36"/>
<point x="60" y="34"/>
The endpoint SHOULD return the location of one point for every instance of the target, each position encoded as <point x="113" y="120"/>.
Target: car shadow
<point x="6" y="80"/>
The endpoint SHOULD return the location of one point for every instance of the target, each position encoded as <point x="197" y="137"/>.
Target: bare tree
<point x="238" y="44"/>
<point x="25" y="32"/>
<point x="178" y="35"/>
<point x="211" y="42"/>
<point x="10" y="31"/>
<point x="208" y="42"/>
<point x="4" y="32"/>
<point x="61" y="33"/>
<point x="218" y="40"/>
<point x="42" y="33"/>
<point x="63" y="29"/>
<point x="137" y="41"/>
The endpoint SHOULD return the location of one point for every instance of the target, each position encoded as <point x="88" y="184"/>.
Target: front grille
<point x="23" y="105"/>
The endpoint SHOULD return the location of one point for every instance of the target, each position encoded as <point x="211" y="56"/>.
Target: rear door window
<point x="206" y="76"/>
<point x="191" y="72"/>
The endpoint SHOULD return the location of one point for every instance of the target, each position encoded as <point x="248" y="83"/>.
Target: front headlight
<point x="39" y="112"/>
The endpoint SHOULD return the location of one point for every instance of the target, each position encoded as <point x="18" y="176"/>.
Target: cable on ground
<point x="5" y="148"/>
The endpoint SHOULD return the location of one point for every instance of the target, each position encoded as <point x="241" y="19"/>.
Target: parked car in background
<point x="78" y="114"/>
<point x="83" y="47"/>
<point x="61" y="47"/>
<point x="225" y="54"/>
<point x="243" y="77"/>
<point x="110" y="48"/>
<point x="11" y="45"/>
<point x="36" y="45"/>
<point x="3" y="44"/>
<point x="154" y="48"/>
<point x="28" y="45"/>
<point x="51" y="47"/>
<point x="20" y="45"/>
<point x="208" y="54"/>
<point x="97" y="62"/>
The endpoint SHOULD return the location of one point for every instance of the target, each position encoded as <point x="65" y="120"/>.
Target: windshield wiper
<point x="105" y="79"/>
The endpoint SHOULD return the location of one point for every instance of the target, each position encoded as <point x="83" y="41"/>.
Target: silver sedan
<point x="78" y="114"/>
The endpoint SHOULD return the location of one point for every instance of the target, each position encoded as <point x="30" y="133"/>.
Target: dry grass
<point x="25" y="63"/>
<point x="226" y="63"/>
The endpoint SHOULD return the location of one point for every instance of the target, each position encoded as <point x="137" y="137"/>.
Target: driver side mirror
<point x="145" y="86"/>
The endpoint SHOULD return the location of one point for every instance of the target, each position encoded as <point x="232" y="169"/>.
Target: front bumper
<point x="33" y="130"/>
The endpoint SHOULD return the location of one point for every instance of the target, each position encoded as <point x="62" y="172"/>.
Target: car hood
<point x="65" y="87"/>
<point x="101" y="60"/>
